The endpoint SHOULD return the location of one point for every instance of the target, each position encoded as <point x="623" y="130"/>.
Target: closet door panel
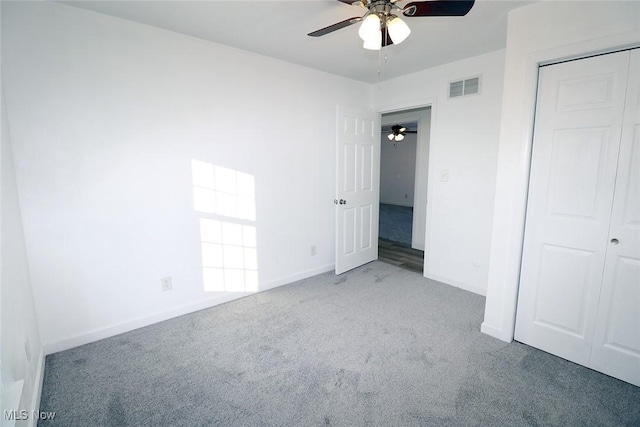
<point x="616" y="349"/>
<point x="573" y="172"/>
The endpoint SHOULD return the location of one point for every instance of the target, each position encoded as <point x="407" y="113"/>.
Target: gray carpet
<point x="396" y="223"/>
<point x="378" y="346"/>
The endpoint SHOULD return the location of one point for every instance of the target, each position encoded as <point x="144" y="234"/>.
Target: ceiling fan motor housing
<point x="382" y="8"/>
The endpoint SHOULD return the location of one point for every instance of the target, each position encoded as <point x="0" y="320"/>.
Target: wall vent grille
<point x="470" y="86"/>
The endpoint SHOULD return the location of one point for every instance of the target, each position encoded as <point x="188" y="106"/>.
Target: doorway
<point x="404" y="152"/>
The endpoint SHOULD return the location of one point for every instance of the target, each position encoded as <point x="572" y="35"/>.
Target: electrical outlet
<point x="166" y="284"/>
<point x="313" y="250"/>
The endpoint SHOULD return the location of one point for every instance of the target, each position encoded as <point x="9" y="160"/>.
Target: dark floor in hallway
<point x="394" y="245"/>
<point x="396" y="223"/>
<point x="401" y="255"/>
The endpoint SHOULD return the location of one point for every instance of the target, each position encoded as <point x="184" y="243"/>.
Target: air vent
<point x="456" y="89"/>
<point x="465" y="87"/>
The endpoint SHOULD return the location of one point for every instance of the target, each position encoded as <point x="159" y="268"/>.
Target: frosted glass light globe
<point x="398" y="30"/>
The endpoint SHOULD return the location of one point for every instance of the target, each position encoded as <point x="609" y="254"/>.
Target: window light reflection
<point x="223" y="191"/>
<point x="228" y="242"/>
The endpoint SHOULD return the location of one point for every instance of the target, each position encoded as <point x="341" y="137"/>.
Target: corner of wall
<point x="20" y="332"/>
<point x="37" y="389"/>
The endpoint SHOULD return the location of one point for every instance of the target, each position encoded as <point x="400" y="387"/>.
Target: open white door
<point x="357" y="189"/>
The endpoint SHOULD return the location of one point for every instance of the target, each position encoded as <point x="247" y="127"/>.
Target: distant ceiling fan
<point x="381" y="27"/>
<point x="397" y="132"/>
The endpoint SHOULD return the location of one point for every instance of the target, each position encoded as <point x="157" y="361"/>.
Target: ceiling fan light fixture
<point x="374" y="42"/>
<point x="372" y="45"/>
<point x="398" y="29"/>
<point x="391" y="136"/>
<point x="369" y="27"/>
<point x="399" y="137"/>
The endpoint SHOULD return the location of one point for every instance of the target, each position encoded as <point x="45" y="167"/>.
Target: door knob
<point x="614" y="241"/>
<point x="343" y="202"/>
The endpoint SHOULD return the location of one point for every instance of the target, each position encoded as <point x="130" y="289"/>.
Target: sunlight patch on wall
<point x="223" y="191"/>
<point x="228" y="236"/>
<point x="229" y="256"/>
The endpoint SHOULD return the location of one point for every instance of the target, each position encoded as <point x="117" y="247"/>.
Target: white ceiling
<point x="279" y="29"/>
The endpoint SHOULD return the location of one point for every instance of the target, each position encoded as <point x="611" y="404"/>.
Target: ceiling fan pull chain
<point x="386" y="37"/>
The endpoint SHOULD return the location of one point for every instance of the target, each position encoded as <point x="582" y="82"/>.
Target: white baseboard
<point x="297" y="276"/>
<point x="494" y="332"/>
<point x="136" y="323"/>
<point x="132" y="324"/>
<point x="464" y="286"/>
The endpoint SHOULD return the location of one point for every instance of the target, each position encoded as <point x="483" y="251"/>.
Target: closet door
<point x="616" y="348"/>
<point x="573" y="171"/>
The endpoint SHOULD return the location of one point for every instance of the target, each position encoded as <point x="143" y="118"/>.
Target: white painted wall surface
<point x="107" y="116"/>
<point x="18" y="315"/>
<point x="464" y="142"/>
<point x="541" y="33"/>
<point x="398" y="170"/>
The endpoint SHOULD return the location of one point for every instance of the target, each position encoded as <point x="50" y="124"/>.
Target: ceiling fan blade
<point x="334" y="27"/>
<point x="397" y="129"/>
<point x="438" y="8"/>
<point x="406" y="131"/>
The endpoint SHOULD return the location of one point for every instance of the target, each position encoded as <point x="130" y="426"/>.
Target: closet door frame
<point x="613" y="345"/>
<point x="506" y="252"/>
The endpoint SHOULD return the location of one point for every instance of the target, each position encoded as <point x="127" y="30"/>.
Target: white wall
<point x="464" y="142"/>
<point x="540" y="33"/>
<point x="106" y="117"/>
<point x="398" y="170"/>
<point x="22" y="353"/>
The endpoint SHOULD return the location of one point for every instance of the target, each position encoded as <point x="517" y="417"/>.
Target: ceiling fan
<point x="382" y="27"/>
<point x="397" y="132"/>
